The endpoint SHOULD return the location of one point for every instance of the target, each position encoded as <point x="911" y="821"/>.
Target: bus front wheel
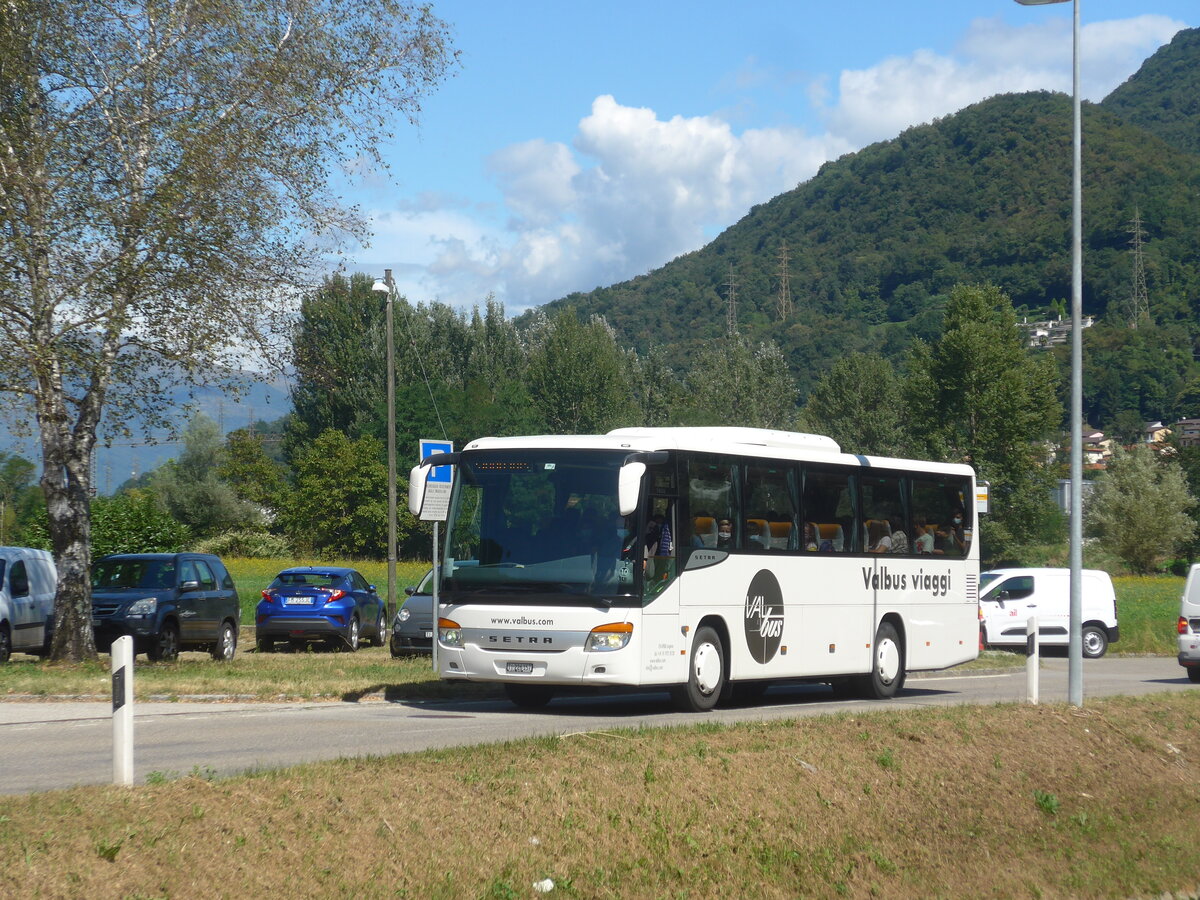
<point x="529" y="696"/>
<point x="887" y="666"/>
<point x="706" y="674"/>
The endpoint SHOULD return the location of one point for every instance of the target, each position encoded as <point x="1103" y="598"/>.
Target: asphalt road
<point x="44" y="746"/>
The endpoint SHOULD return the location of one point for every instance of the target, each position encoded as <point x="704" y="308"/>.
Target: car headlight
<point x="147" y="606"/>
<point x="404" y="615"/>
<point x="449" y="633"/>
<point x="613" y="636"/>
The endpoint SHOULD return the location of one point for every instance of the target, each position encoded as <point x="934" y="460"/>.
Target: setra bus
<point x="708" y="562"/>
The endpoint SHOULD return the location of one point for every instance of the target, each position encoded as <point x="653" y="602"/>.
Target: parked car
<point x="1188" y="625"/>
<point x="331" y="604"/>
<point x="28" y="582"/>
<point x="167" y="602"/>
<point x="412" y="627"/>
<point x="1008" y="597"/>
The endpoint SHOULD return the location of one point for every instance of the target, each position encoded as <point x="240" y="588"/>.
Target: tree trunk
<point x="69" y="510"/>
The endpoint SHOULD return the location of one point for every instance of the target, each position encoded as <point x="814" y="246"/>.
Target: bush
<point x="247" y="544"/>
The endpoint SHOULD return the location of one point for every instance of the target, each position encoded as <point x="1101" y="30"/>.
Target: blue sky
<point x="583" y="144"/>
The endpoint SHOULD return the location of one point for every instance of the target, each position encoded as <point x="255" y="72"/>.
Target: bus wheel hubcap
<point x="889" y="661"/>
<point x="707" y="666"/>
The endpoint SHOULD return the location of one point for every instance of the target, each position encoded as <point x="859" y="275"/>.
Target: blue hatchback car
<point x="330" y="604"/>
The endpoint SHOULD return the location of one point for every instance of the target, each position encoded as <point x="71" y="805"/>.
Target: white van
<point x="28" y="582"/>
<point x="1008" y="597"/>
<point x="1189" y="624"/>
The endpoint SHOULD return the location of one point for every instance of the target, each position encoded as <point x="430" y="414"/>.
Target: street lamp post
<point x="1075" y="647"/>
<point x="388" y="286"/>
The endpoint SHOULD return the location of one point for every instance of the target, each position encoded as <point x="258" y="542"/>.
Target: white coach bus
<point x="709" y="562"/>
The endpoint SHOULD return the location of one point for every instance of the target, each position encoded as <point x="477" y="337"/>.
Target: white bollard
<point x="122" y="685"/>
<point x="1031" y="659"/>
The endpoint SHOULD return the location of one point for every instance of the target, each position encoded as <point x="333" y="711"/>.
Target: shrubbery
<point x="246" y="543"/>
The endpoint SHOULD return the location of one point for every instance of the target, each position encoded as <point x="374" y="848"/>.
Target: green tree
<point x="577" y="375"/>
<point x="1140" y="509"/>
<point x="735" y="382"/>
<point x="657" y="390"/>
<point x="1127" y="427"/>
<point x="339" y="354"/>
<point x="134" y="522"/>
<point x="338" y="503"/>
<point x="130" y="521"/>
<point x="191" y="489"/>
<point x="860" y="404"/>
<point x="162" y="162"/>
<point x="16" y="473"/>
<point x="976" y="395"/>
<point x="249" y="471"/>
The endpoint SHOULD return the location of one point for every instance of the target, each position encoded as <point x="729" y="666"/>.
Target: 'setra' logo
<point x="764" y="616"/>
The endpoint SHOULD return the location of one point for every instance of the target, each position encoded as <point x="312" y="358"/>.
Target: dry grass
<point x="317" y="674"/>
<point x="1007" y="801"/>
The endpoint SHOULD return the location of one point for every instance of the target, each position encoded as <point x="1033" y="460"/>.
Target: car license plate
<point x="518" y="668"/>
<point x="429" y="634"/>
<point x="297" y="601"/>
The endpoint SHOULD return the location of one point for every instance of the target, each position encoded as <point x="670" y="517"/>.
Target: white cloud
<point x="635" y="190"/>
<point x="993" y="58"/>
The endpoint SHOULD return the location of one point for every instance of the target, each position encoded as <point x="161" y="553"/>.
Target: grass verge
<point x="1147" y="609"/>
<point x="1005" y="801"/>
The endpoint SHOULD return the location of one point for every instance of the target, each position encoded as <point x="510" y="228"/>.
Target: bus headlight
<point x="613" y="636"/>
<point x="449" y="633"/>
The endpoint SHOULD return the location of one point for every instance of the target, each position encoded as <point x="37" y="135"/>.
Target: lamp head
<point x="380" y="287"/>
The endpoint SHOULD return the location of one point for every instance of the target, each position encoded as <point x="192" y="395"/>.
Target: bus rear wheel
<point x="706" y="674"/>
<point x="887" y="666"/>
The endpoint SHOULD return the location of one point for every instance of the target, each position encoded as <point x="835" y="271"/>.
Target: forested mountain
<point x="1163" y="96"/>
<point x="877" y="238"/>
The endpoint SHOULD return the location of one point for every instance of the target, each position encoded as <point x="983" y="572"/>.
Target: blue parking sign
<point x="437" y="474"/>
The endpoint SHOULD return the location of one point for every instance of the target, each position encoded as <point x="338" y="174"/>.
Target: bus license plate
<point x="518" y="668"/>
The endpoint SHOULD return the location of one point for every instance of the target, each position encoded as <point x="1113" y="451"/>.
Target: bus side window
<point x="710" y="498"/>
<point x="828" y="502"/>
<point x="769" y="510"/>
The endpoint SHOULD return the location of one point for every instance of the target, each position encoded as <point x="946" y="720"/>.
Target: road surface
<point x="51" y="745"/>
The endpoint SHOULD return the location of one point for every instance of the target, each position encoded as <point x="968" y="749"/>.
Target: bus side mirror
<point x="629" y="485"/>
<point x="416" y="489"/>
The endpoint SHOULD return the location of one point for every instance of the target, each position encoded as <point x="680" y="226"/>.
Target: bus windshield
<point x="543" y="522"/>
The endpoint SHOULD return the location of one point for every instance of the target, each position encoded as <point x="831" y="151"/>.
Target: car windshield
<point x="306" y="579"/>
<point x="426" y="585"/>
<point x="987" y="579"/>
<point x="539" y="522"/>
<point x="117" y="574"/>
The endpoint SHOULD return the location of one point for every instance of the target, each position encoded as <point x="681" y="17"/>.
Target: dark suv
<point x="167" y="601"/>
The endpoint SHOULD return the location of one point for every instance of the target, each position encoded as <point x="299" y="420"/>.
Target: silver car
<point x="412" y="627"/>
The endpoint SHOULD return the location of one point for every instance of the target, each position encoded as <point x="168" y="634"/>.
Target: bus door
<point x="658" y="551"/>
<point x="837" y="594"/>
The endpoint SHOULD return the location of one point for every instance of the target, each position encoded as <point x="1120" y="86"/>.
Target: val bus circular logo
<point x="764" y="616"/>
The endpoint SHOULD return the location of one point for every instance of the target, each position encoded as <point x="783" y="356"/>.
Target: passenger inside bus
<point x="725" y="535"/>
<point x="924" y="540"/>
<point x="755" y="539"/>
<point x="810" y="536"/>
<point x="879" y="536"/>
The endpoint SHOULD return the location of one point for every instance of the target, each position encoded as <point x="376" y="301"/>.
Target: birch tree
<point x="166" y="185"/>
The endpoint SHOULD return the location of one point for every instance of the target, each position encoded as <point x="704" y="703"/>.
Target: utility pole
<point x="731" y="304"/>
<point x="784" y="299"/>
<point x="1139" y="299"/>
